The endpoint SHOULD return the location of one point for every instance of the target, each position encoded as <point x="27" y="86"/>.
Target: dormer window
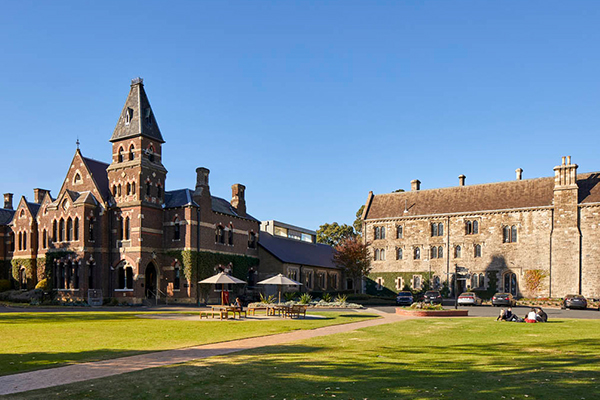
<point x="128" y="115"/>
<point x="148" y="116"/>
<point x="77" y="179"/>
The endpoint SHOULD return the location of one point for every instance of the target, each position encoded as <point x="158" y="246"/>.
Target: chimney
<point x="202" y="188"/>
<point x="461" y="180"/>
<point x="565" y="175"/>
<point x="8" y="201"/>
<point x="38" y="195"/>
<point x="238" y="200"/>
<point x="415" y="185"/>
<point x="519" y="172"/>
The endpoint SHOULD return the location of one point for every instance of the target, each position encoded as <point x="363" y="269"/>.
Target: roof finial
<point x="137" y="80"/>
<point x="77" y="143"/>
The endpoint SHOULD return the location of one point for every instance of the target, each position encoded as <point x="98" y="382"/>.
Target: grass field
<point x="416" y="359"/>
<point x="40" y="340"/>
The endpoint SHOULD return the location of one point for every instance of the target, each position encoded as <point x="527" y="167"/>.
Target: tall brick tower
<point x="137" y="183"/>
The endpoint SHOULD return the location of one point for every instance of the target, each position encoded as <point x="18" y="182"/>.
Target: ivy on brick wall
<point x="44" y="264"/>
<point x="202" y="263"/>
<point x="27" y="263"/>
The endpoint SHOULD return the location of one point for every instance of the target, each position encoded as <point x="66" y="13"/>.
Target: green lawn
<point x="416" y="359"/>
<point x="40" y="340"/>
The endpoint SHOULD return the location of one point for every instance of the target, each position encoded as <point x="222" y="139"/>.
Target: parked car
<point x="575" y="301"/>
<point x="432" y="297"/>
<point x="503" y="299"/>
<point x="469" y="299"/>
<point x="404" y="299"/>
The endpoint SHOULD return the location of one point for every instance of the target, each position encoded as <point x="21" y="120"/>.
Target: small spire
<point x="77" y="143"/>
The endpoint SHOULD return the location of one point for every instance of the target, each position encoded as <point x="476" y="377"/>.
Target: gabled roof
<point x="33" y="208"/>
<point x="6" y="216"/>
<point x="185" y="197"/>
<point x="529" y="193"/>
<point x="99" y="175"/>
<point x="137" y="117"/>
<point x="296" y="251"/>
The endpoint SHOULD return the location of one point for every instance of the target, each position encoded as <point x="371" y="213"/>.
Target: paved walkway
<point x="82" y="372"/>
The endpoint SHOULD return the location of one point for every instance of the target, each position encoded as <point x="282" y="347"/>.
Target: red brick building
<point x="115" y="229"/>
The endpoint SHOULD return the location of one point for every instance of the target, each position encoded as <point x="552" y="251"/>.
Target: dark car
<point x="404" y="299"/>
<point x="432" y="297"/>
<point x="503" y="299"/>
<point x="575" y="301"/>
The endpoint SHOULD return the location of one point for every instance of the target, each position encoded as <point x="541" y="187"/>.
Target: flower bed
<point x="416" y="312"/>
<point x="312" y="304"/>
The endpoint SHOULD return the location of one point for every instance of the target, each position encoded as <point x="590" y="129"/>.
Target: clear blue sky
<point x="309" y="104"/>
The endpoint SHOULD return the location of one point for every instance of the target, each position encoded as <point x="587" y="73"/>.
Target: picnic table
<point x="230" y="309"/>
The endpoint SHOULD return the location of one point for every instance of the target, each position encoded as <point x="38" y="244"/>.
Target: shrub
<point x="4" y="285"/>
<point x="267" y="299"/>
<point x="43" y="284"/>
<point x="305" y="298"/>
<point x="327" y="297"/>
<point x="341" y="298"/>
<point x="289" y="296"/>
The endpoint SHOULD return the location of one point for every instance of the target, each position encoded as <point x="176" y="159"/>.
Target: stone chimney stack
<point x="565" y="175"/>
<point x="519" y="172"/>
<point x="202" y="191"/>
<point x="461" y="180"/>
<point x="415" y="185"/>
<point x="38" y="195"/>
<point x="238" y="199"/>
<point x="8" y="197"/>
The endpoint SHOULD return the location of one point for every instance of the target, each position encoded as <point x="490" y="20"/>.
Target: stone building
<point x="114" y="231"/>
<point x="294" y="252"/>
<point x="534" y="237"/>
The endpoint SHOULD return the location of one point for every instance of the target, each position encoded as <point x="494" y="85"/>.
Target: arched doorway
<point x="151" y="279"/>
<point x="510" y="283"/>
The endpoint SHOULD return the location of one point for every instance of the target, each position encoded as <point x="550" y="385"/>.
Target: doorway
<point x="151" y="286"/>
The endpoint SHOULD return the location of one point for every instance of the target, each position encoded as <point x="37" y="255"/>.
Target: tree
<point x="352" y="255"/>
<point x="334" y="234"/>
<point x="358" y="221"/>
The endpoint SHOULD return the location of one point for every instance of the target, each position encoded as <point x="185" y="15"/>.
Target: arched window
<point x="382" y="255"/>
<point x="54" y="231"/>
<point x="121" y="228"/>
<point x="114" y="190"/>
<point x="376" y="233"/>
<point x="457" y="252"/>
<point x="440" y="229"/>
<point x="75" y="276"/>
<point x="128" y="278"/>
<point x="481" y="280"/>
<point x="513" y="234"/>
<point x="158" y="191"/>
<point x="434" y="229"/>
<point x="176" y="229"/>
<point x="69" y="229"/>
<point x="506" y="234"/>
<point x="230" y="238"/>
<point x="417" y="282"/>
<point x="383" y="232"/>
<point x="510" y="283"/>
<point x="131" y="155"/>
<point x="475" y="227"/>
<point x="20" y="241"/>
<point x="120" y="156"/>
<point x="474" y="281"/>
<point x="376" y="255"/>
<point x="177" y="280"/>
<point x="433" y="252"/>
<point x="151" y="153"/>
<point x="220" y="235"/>
<point x="91" y="276"/>
<point x="77" y="179"/>
<point x="76" y="229"/>
<point x="399" y="254"/>
<point x="127" y="228"/>
<point x="61" y="230"/>
<point x="119" y="190"/>
<point x="399" y="232"/>
<point x="44" y="239"/>
<point x="252" y="240"/>
<point x="128" y="189"/>
<point x="148" y="189"/>
<point x="132" y="187"/>
<point x="477" y="251"/>
<point x="417" y="253"/>
<point x="24" y="240"/>
<point x="440" y="252"/>
<point x="91" y="229"/>
<point x="120" y="277"/>
<point x="468" y="227"/>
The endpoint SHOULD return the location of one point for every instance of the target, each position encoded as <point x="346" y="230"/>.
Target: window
<point x="129" y="278"/>
<point x="77" y="179"/>
<point x="379" y="232"/>
<point x="376" y="255"/>
<point x="481" y="280"/>
<point x="417" y="253"/>
<point x="128" y="115"/>
<point x="334" y="281"/>
<point x="91" y="229"/>
<point x="61" y="230"/>
<point x="177" y="280"/>
<point x="474" y="281"/>
<point x="54" y="231"/>
<point x="44" y="239"/>
<point x="440" y="252"/>
<point x="293" y="274"/>
<point x="69" y="229"/>
<point x="124" y="277"/>
<point x="399" y="254"/>
<point x="417" y="282"/>
<point x="121" y="228"/>
<point x="158" y="191"/>
<point x="399" y="283"/>
<point x="132" y="187"/>
<point x="509" y="234"/>
<point x="477" y="249"/>
<point x="76" y="229"/>
<point x="322" y="283"/>
<point x="436" y="282"/>
<point x="114" y="190"/>
<point x="148" y="189"/>
<point x="510" y="283"/>
<point x="437" y="229"/>
<point x="131" y="155"/>
<point x="399" y="232"/>
<point x="176" y="230"/>
<point x="379" y="283"/>
<point x="119" y="190"/>
<point x="457" y="252"/>
<point x="128" y="189"/>
<point x="382" y="255"/>
<point x="252" y="240"/>
<point x="151" y="154"/>
<point x="20" y="241"/>
<point x="220" y="235"/>
<point x="230" y="235"/>
<point x="24" y="240"/>
<point x="279" y="231"/>
<point x="148" y="116"/>
<point x="120" y="155"/>
<point x="126" y="228"/>
<point x="309" y="279"/>
<point x="433" y="252"/>
<point x="471" y="227"/>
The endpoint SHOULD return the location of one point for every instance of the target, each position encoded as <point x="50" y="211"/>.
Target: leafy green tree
<point x="334" y="234"/>
<point x="358" y="221"/>
<point x="352" y="255"/>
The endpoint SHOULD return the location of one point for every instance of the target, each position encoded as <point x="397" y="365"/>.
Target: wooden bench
<point x="220" y="313"/>
<point x="252" y="310"/>
<point x="239" y="311"/>
<point x="296" y="310"/>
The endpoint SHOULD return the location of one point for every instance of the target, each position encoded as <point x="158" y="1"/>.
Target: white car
<point x="469" y="299"/>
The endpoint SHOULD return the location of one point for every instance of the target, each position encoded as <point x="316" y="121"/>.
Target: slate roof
<point x="138" y="125"/>
<point x="296" y="251"/>
<point x="34" y="208"/>
<point x="6" y="216"/>
<point x="185" y="197"/>
<point x="99" y="174"/>
<point x="529" y="193"/>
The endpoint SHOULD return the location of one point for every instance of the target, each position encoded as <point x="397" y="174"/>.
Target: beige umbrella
<point x="279" y="280"/>
<point x="222" y="278"/>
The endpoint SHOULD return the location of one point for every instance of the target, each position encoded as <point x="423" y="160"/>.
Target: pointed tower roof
<point x="137" y="117"/>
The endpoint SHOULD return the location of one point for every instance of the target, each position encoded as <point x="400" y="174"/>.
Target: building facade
<point x="533" y="238"/>
<point x="114" y="231"/>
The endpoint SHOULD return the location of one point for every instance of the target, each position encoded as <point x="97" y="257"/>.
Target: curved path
<point x="92" y="370"/>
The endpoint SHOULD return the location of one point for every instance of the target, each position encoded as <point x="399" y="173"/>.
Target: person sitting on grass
<point x="531" y="316"/>
<point x="540" y="315"/>
<point x="507" y="315"/>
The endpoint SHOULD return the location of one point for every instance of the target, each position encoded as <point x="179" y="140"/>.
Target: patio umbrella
<point x="279" y="280"/>
<point x="222" y="278"/>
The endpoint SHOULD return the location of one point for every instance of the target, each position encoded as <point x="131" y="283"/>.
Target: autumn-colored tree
<point x="352" y="255"/>
<point x="334" y="234"/>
